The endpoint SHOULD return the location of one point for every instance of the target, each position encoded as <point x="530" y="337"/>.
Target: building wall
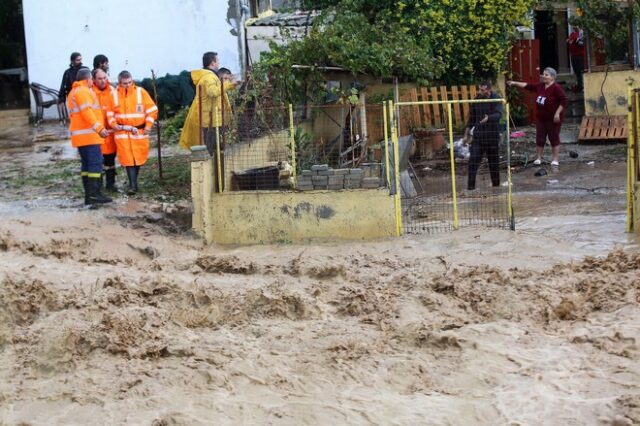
<point x="614" y="89"/>
<point x="167" y="36"/>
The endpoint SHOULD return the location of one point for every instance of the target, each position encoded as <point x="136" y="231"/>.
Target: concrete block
<point x="352" y="184"/>
<point x="335" y="187"/>
<point x="319" y="167"/>
<point x="371" y="182"/>
<point x="359" y="172"/>
<point x="306" y="173"/>
<point x="328" y="172"/>
<point x="372" y="169"/>
<point x="340" y="171"/>
<point x="304" y="187"/>
<point x="320" y="180"/>
<point x="335" y="180"/>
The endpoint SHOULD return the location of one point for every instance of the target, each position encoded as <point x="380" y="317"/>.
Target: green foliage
<point x="172" y="127"/>
<point x="306" y="151"/>
<point x="609" y="20"/>
<point x="451" y="41"/>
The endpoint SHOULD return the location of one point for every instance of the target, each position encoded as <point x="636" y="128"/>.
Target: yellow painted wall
<point x="274" y="216"/>
<point x="615" y="91"/>
<point x="262" y="217"/>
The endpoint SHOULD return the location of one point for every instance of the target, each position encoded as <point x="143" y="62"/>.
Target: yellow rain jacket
<point x="208" y="94"/>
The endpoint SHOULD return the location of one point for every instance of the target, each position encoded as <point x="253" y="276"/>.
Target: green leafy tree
<point x="450" y="41"/>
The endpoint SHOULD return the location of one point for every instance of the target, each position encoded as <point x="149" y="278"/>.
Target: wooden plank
<point x="428" y="117"/>
<point x="417" y="119"/>
<point x="465" y="106"/>
<point x="603" y="128"/>
<point x="455" y="95"/>
<point x="436" y="108"/>
<point x="444" y="93"/>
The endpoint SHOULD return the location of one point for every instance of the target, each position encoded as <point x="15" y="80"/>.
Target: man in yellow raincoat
<point x="203" y="125"/>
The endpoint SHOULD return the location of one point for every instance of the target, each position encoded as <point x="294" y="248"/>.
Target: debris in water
<point x="540" y="172"/>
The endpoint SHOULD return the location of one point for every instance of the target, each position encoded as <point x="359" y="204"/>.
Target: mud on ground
<point x="121" y="316"/>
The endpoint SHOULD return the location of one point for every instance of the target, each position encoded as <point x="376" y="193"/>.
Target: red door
<point x="525" y="66"/>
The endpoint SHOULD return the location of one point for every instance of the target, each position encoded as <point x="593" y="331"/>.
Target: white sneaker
<point x="537" y="162"/>
<point x="555" y="163"/>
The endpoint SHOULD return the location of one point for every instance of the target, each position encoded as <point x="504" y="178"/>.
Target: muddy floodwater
<point x="122" y="316"/>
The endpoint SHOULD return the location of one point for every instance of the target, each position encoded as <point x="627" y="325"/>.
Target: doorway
<point x="14" y="82"/>
<point x="551" y="28"/>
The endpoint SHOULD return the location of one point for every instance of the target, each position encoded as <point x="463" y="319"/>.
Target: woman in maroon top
<point x="550" y="104"/>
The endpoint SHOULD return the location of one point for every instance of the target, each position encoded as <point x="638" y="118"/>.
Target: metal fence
<point x="303" y="148"/>
<point x="349" y="147"/>
<point x="633" y="160"/>
<point x="453" y="176"/>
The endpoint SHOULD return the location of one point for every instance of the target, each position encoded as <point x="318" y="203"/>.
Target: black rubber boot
<point x="137" y="169"/>
<point x="133" y="180"/>
<point x="110" y="177"/>
<point x="85" y="186"/>
<point x="95" y="196"/>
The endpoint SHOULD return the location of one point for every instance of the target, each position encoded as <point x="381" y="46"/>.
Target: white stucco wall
<point x="167" y="36"/>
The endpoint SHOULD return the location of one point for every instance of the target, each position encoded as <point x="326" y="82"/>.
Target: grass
<point x="63" y="176"/>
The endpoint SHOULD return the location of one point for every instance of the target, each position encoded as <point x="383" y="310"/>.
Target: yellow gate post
<point x="452" y="156"/>
<point x="386" y="142"/>
<point x="218" y="161"/>
<point x="293" y="146"/>
<point x="632" y="117"/>
<point x="512" y="225"/>
<point x="396" y="165"/>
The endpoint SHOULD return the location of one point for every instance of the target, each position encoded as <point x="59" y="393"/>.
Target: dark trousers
<point x="209" y="135"/>
<point x="91" y="161"/>
<point x="109" y="161"/>
<point x="477" y="150"/>
<point x="577" y="63"/>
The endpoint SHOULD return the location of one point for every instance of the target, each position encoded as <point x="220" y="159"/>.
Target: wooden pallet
<point x="613" y="127"/>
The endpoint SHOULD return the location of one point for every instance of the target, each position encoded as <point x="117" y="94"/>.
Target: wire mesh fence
<point x="339" y="147"/>
<point x="332" y="147"/>
<point x="456" y="173"/>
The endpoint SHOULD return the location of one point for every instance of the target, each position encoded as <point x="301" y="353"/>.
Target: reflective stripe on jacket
<point x="85" y="114"/>
<point x="133" y="107"/>
<point x="106" y="101"/>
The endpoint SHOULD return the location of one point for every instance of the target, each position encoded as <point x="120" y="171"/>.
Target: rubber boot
<point x="133" y="180"/>
<point x="85" y="183"/>
<point x="110" y="177"/>
<point x="137" y="169"/>
<point x="95" y="196"/>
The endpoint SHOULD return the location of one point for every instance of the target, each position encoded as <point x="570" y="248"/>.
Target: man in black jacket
<point x="69" y="76"/>
<point x="484" y="125"/>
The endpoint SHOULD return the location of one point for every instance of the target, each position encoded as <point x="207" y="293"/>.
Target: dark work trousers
<point x="209" y="136"/>
<point x="577" y="63"/>
<point x="477" y="150"/>
<point x="109" y="161"/>
<point x="91" y="161"/>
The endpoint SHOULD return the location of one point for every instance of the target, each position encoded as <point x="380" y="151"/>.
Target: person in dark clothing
<point x="550" y="105"/>
<point x="69" y="77"/>
<point x="102" y="62"/>
<point x="484" y="126"/>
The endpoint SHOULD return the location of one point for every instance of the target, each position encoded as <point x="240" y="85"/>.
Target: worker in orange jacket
<point x="87" y="134"/>
<point x="132" y="118"/>
<point x="106" y="96"/>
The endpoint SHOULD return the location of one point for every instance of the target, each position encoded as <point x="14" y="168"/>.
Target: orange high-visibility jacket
<point x="106" y="98"/>
<point x="133" y="107"/>
<point x="86" y="121"/>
